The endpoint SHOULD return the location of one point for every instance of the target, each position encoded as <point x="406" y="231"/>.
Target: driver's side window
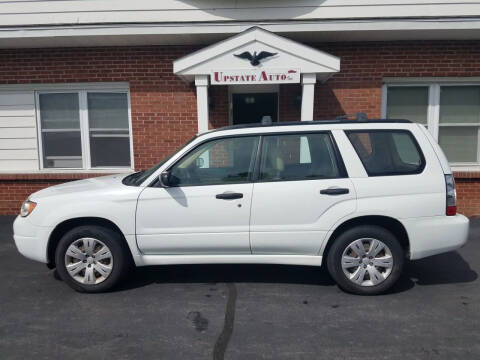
<point x="222" y="161"/>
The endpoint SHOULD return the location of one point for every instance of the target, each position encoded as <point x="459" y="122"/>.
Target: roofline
<point x="204" y="33"/>
<point x="312" y="122"/>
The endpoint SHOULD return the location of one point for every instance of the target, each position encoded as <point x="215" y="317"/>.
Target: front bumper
<point x="435" y="235"/>
<point x="31" y="240"/>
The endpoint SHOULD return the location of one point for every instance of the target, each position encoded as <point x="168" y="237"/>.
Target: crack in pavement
<point x="224" y="337"/>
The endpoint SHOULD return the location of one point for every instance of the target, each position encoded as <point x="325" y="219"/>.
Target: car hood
<point x="103" y="184"/>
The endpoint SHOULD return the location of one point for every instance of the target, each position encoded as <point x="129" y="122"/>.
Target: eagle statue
<point x="255" y="58"/>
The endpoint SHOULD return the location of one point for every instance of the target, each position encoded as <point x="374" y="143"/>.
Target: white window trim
<point x="82" y="90"/>
<point x="433" y="114"/>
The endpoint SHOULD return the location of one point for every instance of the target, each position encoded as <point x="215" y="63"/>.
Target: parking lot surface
<point x="241" y="312"/>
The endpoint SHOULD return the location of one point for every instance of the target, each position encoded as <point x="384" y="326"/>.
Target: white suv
<point x="363" y="195"/>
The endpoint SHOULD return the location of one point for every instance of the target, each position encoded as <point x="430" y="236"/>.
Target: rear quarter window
<point x="387" y="152"/>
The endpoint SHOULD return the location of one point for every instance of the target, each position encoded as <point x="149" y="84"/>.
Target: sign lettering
<point x="257" y="76"/>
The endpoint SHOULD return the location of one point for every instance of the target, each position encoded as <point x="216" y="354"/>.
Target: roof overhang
<point x="128" y="34"/>
<point x="288" y="53"/>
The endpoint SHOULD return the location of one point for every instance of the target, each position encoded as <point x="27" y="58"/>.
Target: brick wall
<point x="164" y="107"/>
<point x="15" y="188"/>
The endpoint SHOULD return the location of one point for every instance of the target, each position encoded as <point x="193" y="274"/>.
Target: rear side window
<point x="298" y="157"/>
<point x="387" y="152"/>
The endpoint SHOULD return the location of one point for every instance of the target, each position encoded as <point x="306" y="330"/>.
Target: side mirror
<point x="165" y="178"/>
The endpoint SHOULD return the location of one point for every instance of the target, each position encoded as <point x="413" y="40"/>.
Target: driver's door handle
<point x="334" y="191"/>
<point x="229" y="196"/>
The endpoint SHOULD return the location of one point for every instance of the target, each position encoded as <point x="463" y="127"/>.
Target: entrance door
<point x="252" y="107"/>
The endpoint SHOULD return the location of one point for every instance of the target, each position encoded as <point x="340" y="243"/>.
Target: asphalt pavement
<point x="241" y="312"/>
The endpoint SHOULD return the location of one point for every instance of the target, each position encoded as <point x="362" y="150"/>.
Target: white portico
<point x="256" y="58"/>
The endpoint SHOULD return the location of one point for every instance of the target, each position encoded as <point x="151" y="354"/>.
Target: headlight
<point x="27" y="208"/>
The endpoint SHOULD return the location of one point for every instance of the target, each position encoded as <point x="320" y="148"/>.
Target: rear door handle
<point x="334" y="191"/>
<point x="229" y="196"/>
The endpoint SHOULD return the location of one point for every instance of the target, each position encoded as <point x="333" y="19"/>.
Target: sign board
<point x="255" y="76"/>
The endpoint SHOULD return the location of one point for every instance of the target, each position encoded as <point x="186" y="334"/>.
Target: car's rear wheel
<point x="92" y="258"/>
<point x="366" y="260"/>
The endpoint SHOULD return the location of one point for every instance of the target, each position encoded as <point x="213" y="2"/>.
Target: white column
<point x="308" y="93"/>
<point x="201" y="82"/>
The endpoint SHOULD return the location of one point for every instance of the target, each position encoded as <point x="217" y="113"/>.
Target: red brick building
<point x="82" y="104"/>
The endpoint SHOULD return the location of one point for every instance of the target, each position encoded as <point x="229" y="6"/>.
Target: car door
<point x="302" y="184"/>
<point x="206" y="210"/>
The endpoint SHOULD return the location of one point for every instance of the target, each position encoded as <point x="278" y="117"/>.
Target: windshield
<point x="138" y="178"/>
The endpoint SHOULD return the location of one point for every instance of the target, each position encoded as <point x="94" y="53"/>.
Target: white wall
<point x="27" y="12"/>
<point x="18" y="134"/>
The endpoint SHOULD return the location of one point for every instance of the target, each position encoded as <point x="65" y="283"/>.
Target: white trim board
<point x="65" y="86"/>
<point x="154" y="33"/>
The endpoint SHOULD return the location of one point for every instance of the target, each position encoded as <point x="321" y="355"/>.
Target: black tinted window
<point x="298" y="157"/>
<point x="387" y="152"/>
<point x="229" y="160"/>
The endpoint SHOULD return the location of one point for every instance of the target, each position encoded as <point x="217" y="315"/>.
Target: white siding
<point x="13" y="13"/>
<point x="18" y="134"/>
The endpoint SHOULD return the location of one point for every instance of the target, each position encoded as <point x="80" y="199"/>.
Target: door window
<point x="222" y="161"/>
<point x="298" y="157"/>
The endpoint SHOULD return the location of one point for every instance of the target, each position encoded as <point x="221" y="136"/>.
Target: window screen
<point x="459" y="123"/>
<point x="408" y="102"/>
<point x="298" y="157"/>
<point x="60" y="128"/>
<point x="387" y="152"/>
<point x="109" y="133"/>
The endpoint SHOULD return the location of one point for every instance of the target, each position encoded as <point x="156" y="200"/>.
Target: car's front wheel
<point x="366" y="260"/>
<point x="91" y="258"/>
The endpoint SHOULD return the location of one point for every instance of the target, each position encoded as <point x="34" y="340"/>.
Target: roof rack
<point x="339" y="120"/>
<point x="360" y="117"/>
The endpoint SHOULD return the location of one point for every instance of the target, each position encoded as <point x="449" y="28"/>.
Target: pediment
<point x="288" y="54"/>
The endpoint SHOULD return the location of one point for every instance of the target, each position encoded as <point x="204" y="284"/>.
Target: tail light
<point x="451" y="209"/>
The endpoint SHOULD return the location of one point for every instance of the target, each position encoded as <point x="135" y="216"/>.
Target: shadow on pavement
<point x="226" y="274"/>
<point x="446" y="268"/>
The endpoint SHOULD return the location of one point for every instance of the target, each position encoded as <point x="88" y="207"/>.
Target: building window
<point x="450" y="111"/>
<point x="408" y="102"/>
<point x="84" y="129"/>
<point x="459" y="123"/>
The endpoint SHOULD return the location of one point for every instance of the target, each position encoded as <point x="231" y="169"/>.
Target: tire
<point x="99" y="260"/>
<point x="364" y="274"/>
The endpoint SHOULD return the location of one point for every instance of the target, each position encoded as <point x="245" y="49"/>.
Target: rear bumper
<point x="31" y="240"/>
<point x="435" y="235"/>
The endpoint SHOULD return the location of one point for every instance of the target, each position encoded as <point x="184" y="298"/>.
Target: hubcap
<point x="367" y="262"/>
<point x="89" y="261"/>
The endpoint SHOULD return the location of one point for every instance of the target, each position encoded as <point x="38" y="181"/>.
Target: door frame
<point x="251" y="89"/>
